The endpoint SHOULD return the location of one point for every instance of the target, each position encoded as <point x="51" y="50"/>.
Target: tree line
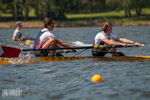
<point x="56" y="9"/>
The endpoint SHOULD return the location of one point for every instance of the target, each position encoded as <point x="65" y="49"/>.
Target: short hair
<point x="48" y="21"/>
<point x="105" y="25"/>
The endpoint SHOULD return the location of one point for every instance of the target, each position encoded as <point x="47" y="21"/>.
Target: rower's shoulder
<point x="100" y="33"/>
<point x="44" y="29"/>
<point x="16" y="30"/>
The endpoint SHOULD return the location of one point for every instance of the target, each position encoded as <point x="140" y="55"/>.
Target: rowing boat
<point x="7" y="57"/>
<point x="18" y="60"/>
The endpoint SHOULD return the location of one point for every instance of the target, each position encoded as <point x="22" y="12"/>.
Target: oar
<point x="14" y="52"/>
<point x="9" y="51"/>
<point x="81" y="47"/>
<point x="117" y="53"/>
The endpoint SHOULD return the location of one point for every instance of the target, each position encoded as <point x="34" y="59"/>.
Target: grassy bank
<point x="94" y="19"/>
<point x="115" y="17"/>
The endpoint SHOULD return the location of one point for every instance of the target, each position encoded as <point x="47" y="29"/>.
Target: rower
<point x="17" y="36"/>
<point x="45" y="39"/>
<point x="105" y="37"/>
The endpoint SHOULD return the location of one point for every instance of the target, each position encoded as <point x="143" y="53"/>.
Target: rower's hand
<point x="138" y="44"/>
<point x="74" y="50"/>
<point x="124" y="44"/>
<point x="65" y="50"/>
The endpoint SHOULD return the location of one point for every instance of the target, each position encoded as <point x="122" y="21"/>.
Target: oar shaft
<point x="84" y="47"/>
<point x="87" y="47"/>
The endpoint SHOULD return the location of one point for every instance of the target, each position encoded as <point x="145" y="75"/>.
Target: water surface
<point x="122" y="80"/>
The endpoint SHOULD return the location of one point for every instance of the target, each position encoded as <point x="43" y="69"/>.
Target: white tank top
<point x="101" y="35"/>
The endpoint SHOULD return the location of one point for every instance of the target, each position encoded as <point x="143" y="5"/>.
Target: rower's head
<point x="106" y="27"/>
<point x="49" y="23"/>
<point x="19" y="24"/>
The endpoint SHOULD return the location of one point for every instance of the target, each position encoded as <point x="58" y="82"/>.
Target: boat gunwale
<point x="16" y="60"/>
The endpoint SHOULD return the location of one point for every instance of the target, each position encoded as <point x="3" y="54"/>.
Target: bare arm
<point x="125" y="40"/>
<point x="15" y="38"/>
<point x="129" y="41"/>
<point x="110" y="42"/>
<point x="64" y="44"/>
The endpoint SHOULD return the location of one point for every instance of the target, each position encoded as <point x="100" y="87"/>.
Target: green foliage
<point x="57" y="9"/>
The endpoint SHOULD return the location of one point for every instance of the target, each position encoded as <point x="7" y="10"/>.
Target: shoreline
<point x="87" y="23"/>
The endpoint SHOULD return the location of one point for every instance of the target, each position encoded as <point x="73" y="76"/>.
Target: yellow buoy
<point x="96" y="78"/>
